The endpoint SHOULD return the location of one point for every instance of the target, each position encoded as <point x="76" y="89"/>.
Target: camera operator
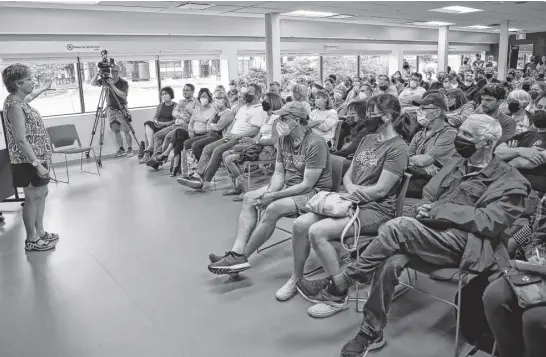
<point x="118" y="88"/>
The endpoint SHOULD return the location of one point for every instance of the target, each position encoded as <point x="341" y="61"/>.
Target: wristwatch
<point x="35" y="163"/>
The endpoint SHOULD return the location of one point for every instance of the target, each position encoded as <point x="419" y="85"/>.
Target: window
<point x="412" y="61"/>
<point x="299" y="67"/>
<point x="203" y="73"/>
<point x="374" y="65"/>
<point x="428" y="63"/>
<point x="344" y="66"/>
<point x="141" y="75"/>
<point x="245" y="64"/>
<point x="65" y="99"/>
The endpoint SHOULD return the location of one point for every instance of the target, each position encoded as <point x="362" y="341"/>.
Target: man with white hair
<point x="465" y="208"/>
<point x="119" y="88"/>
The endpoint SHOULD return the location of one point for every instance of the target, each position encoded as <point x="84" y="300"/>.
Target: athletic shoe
<point x="141" y="148"/>
<point x="50" y="237"/>
<point x="213" y="258"/>
<point x="309" y="289"/>
<point x="322" y="310"/>
<point x="120" y="153"/>
<point x="287" y="291"/>
<point x="229" y="264"/>
<point x="39" y="245"/>
<point x="192" y="182"/>
<point x="130" y="152"/>
<point x="145" y="158"/>
<point x="361" y="344"/>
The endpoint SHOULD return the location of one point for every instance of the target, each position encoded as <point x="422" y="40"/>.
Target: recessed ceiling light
<point x="193" y="6"/>
<point x="509" y="30"/>
<point x="305" y="13"/>
<point x="341" y="16"/>
<point x="478" y="27"/>
<point x="456" y="10"/>
<point x="431" y="23"/>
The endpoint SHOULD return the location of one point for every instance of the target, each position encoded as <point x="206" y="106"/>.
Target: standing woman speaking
<point x="30" y="149"/>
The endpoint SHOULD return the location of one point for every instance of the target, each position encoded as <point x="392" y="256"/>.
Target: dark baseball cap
<point x="295" y="108"/>
<point x="434" y="98"/>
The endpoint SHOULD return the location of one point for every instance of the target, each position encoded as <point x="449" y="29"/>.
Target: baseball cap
<point x="295" y="108"/>
<point x="434" y="98"/>
<point x="232" y="82"/>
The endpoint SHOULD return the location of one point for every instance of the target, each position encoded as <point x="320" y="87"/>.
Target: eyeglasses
<point x="220" y="98"/>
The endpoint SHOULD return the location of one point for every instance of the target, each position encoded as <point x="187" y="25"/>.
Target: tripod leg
<point x="101" y="140"/>
<point x="99" y="114"/>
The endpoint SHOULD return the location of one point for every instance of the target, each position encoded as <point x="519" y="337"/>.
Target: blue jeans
<point x="211" y="158"/>
<point x="398" y="241"/>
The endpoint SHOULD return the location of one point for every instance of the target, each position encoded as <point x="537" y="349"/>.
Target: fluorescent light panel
<point x="194" y="6"/>
<point x="341" y="17"/>
<point x="509" y="30"/>
<point x="305" y="13"/>
<point x="456" y="10"/>
<point x="431" y="23"/>
<point x="478" y="27"/>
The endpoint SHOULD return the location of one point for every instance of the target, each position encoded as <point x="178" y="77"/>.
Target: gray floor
<point x="129" y="278"/>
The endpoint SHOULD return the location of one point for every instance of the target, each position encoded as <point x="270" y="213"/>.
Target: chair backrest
<point x="337" y="172"/>
<point x="335" y="141"/>
<point x="401" y="195"/>
<point x="64" y="135"/>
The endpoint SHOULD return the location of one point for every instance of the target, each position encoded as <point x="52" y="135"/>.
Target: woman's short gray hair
<point x="13" y="73"/>
<point x="485" y="127"/>
<point x="521" y="96"/>
<point x="298" y="92"/>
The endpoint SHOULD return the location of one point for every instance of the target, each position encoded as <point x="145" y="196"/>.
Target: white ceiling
<point x="524" y="15"/>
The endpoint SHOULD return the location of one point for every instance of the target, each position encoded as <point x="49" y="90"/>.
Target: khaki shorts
<point x="117" y="120"/>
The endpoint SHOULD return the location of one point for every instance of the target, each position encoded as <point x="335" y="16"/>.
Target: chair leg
<point x="96" y="162"/>
<point x="457" y="327"/>
<point x="66" y="166"/>
<point x="53" y="169"/>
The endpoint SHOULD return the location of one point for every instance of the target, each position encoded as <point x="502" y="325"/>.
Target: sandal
<point x="50" y="237"/>
<point x="39" y="245"/>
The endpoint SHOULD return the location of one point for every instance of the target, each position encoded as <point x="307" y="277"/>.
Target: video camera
<point x="106" y="65"/>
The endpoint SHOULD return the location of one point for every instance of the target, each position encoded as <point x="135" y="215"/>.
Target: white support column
<point x="396" y="59"/>
<point x="273" y="46"/>
<point x="443" y="48"/>
<point x="228" y="65"/>
<point x="503" y="50"/>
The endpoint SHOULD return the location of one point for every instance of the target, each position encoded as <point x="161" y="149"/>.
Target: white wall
<point x="84" y="126"/>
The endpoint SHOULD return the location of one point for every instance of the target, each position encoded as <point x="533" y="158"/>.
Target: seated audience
<point x="489" y="74"/>
<point x="413" y="91"/>
<point x="348" y="83"/>
<point x="302" y="169"/>
<point x="527" y="150"/>
<point x="261" y="148"/>
<point x="439" y="82"/>
<point x="233" y="93"/>
<point x="339" y="93"/>
<point x="492" y="96"/>
<point x="182" y="114"/>
<point x="352" y="94"/>
<point x="201" y="114"/>
<point x="536" y="89"/>
<point x="299" y="94"/>
<point x="458" y="107"/>
<point x="372" y="180"/>
<point x="465" y="208"/>
<point x="398" y="83"/>
<point x="275" y="87"/>
<point x="329" y="86"/>
<point x="323" y="119"/>
<point x="163" y="117"/>
<point x="469" y="87"/>
<point x="432" y="147"/>
<point x="248" y="121"/>
<point x="384" y="86"/>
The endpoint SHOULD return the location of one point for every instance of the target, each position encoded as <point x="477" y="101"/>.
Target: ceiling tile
<point x="150" y="4"/>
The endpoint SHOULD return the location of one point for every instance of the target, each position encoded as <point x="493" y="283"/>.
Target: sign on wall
<point x="82" y="47"/>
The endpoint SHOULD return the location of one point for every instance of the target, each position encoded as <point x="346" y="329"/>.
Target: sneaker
<point x="39" y="245"/>
<point x="322" y="310"/>
<point x="309" y="289"/>
<point x="192" y="182"/>
<point x="144" y="158"/>
<point x="213" y="258"/>
<point x="154" y="163"/>
<point x="287" y="291"/>
<point x="120" y="153"/>
<point x="50" y="237"/>
<point x="130" y="152"/>
<point x="361" y="345"/>
<point x="229" y="264"/>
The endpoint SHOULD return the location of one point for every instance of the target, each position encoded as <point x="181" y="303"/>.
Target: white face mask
<point x="413" y="84"/>
<point x="244" y="90"/>
<point x="284" y="129"/>
<point x="165" y="97"/>
<point x="422" y="119"/>
<point x="362" y="95"/>
<point x="204" y="101"/>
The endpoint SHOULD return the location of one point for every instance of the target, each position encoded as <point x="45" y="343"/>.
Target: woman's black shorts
<point x="26" y="174"/>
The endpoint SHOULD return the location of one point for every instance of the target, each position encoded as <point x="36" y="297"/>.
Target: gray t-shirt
<point x="374" y="156"/>
<point x="311" y="153"/>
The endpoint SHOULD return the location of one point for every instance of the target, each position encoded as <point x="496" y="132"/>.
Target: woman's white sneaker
<point x="287" y="291"/>
<point x="322" y="310"/>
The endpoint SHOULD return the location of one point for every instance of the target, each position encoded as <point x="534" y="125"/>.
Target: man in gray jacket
<point x="466" y="206"/>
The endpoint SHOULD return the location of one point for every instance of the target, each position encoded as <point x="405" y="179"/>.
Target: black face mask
<point x="509" y="79"/>
<point x="383" y="87"/>
<point x="405" y="66"/>
<point x="489" y="75"/>
<point x="266" y="106"/>
<point x="541" y="76"/>
<point x="538" y="119"/>
<point x="373" y="122"/>
<point x="464" y="147"/>
<point x="249" y="98"/>
<point x="513" y="107"/>
<point x="465" y="61"/>
<point x="533" y="94"/>
<point x="526" y="88"/>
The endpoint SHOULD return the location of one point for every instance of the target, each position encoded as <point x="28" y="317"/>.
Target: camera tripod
<point x="100" y="119"/>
